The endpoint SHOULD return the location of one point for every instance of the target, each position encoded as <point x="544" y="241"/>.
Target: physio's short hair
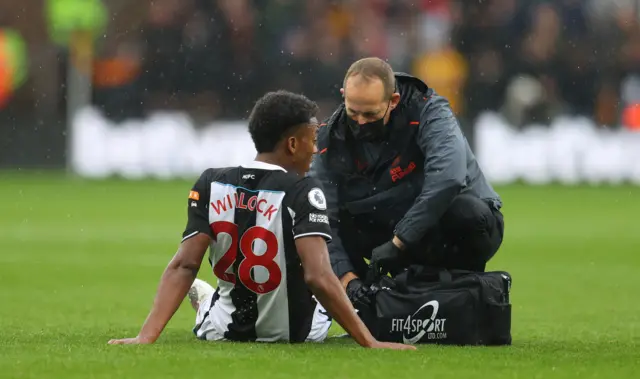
<point x="275" y="115"/>
<point x="370" y="68"/>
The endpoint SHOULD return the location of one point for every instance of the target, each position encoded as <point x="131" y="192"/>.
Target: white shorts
<point x="212" y="323"/>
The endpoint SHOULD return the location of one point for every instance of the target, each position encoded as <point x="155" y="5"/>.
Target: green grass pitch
<point x="80" y="261"/>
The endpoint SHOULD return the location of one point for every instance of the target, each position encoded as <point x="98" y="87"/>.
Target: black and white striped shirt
<point x="253" y="213"/>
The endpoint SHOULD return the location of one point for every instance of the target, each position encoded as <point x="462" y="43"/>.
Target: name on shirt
<point x="240" y="202"/>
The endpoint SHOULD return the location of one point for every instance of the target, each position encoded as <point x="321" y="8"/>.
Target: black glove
<point x="362" y="299"/>
<point x="385" y="258"/>
<point x="358" y="293"/>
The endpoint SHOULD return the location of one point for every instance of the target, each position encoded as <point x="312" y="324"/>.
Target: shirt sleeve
<point x="340" y="260"/>
<point x="308" y="209"/>
<point x="198" y="208"/>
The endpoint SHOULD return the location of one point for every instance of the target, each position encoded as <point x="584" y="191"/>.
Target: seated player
<point x="267" y="228"/>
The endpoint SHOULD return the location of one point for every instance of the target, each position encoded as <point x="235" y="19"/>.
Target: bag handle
<point x="446" y="276"/>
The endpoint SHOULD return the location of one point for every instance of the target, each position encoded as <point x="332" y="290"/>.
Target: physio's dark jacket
<point x="406" y="183"/>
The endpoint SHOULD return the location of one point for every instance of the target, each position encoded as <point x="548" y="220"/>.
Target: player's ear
<point x="292" y="144"/>
<point x="395" y="100"/>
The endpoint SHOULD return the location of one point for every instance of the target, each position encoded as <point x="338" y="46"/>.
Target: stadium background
<point x="92" y="92"/>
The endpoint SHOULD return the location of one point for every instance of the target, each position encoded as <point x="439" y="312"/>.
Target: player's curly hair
<point x="275" y="114"/>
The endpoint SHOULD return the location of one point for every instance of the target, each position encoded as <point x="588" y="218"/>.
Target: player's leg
<point x="213" y="315"/>
<point x="320" y="325"/>
<point x="199" y="292"/>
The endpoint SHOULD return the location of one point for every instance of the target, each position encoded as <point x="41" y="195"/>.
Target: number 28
<point x="251" y="260"/>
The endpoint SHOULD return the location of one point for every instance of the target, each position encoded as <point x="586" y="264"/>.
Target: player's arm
<point x="174" y="285"/>
<point x="325" y="285"/>
<point x="311" y="231"/>
<point x="182" y="270"/>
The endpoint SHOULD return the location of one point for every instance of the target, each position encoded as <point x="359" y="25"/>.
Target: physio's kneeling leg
<point x="473" y="231"/>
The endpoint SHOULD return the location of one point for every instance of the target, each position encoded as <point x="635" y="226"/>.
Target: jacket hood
<point x="409" y="86"/>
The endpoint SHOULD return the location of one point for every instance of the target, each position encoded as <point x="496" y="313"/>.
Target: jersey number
<point x="250" y="260"/>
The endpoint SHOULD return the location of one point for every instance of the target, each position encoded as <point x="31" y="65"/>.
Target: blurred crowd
<point x="531" y="60"/>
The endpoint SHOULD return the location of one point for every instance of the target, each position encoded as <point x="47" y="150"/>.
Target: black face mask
<point x="371" y="131"/>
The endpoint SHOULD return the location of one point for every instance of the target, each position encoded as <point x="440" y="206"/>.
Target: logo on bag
<point x="423" y="322"/>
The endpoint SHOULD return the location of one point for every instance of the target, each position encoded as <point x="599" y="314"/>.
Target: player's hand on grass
<point x="132" y="341"/>
<point x="392" y="346"/>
